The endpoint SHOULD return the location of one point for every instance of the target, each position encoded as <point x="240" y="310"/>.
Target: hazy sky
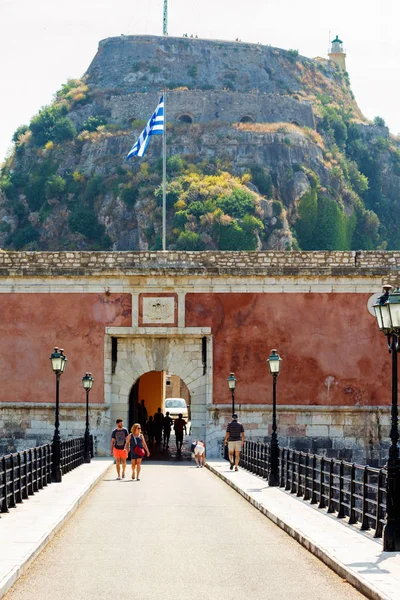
<point x="45" y="42"/>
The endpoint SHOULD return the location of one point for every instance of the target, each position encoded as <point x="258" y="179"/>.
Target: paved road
<point x="178" y="533"/>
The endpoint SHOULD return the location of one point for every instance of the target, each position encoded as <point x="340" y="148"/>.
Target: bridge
<point x="182" y="530"/>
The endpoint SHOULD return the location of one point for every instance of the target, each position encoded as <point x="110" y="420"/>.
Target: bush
<point x="93" y="122"/>
<point x="83" y="220"/>
<point x="293" y="55"/>
<point x="52" y="124"/>
<point x="379" y="122"/>
<point x="54" y="187"/>
<point x="236" y="204"/>
<point x="18" y="132"/>
<point x="189" y="240"/>
<point x="129" y="194"/>
<point x="24" y="236"/>
<point x="94" y="188"/>
<point x="262" y="179"/>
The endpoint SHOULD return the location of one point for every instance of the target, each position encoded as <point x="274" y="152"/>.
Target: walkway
<point x="178" y="533"/>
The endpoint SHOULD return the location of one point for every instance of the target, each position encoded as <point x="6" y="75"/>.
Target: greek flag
<point x="155" y="126"/>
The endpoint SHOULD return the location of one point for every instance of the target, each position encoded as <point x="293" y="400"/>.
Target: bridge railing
<point x="24" y="473"/>
<point x="352" y="491"/>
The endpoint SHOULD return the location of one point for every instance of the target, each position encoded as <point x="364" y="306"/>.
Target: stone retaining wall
<point x="239" y="264"/>
<point x="355" y="434"/>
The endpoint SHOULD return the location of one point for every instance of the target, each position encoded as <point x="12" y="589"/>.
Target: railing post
<point x="287" y="486"/>
<point x="19" y="479"/>
<point x="378" y="523"/>
<point x="35" y="470"/>
<point x="341" y="513"/>
<point x="313" y="480"/>
<point x="322" y="503"/>
<point x="299" y="487"/>
<point x="352" y="515"/>
<point x="25" y="487"/>
<point x="330" y="490"/>
<point x="306" y="494"/>
<point x="364" y="518"/>
<point x="12" y="502"/>
<point x="4" y="503"/>
<point x="282" y="467"/>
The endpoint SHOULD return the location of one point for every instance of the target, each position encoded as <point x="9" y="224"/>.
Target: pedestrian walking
<point x="118" y="439"/>
<point x="150" y="428"/>
<point x="143" y="415"/>
<point x="167" y="424"/>
<point x="200" y="453"/>
<point x="234" y="438"/>
<point x="158" y="425"/>
<point x="138" y="447"/>
<point x="179" y="428"/>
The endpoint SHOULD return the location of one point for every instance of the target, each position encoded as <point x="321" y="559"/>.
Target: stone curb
<point x="335" y="565"/>
<point x="9" y="580"/>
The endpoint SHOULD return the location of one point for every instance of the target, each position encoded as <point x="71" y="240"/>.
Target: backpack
<point x="193" y="445"/>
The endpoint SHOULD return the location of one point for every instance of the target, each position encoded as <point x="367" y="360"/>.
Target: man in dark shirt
<point x="158" y="425"/>
<point x="179" y="427"/>
<point x="234" y="438"/>
<point x="167" y="424"/>
<point x="118" y="438"/>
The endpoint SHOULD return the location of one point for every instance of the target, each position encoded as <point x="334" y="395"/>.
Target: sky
<point x="45" y="42"/>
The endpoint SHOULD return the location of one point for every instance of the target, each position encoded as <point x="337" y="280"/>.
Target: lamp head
<point x="231" y="381"/>
<point x="274" y="363"/>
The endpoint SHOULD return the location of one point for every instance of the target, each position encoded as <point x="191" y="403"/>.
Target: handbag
<point x="138" y="450"/>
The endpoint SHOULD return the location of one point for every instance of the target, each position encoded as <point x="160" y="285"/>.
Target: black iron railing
<point x="354" y="491"/>
<point x="24" y="473"/>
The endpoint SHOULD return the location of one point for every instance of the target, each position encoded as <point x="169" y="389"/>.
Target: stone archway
<point x="185" y="118"/>
<point x="185" y="353"/>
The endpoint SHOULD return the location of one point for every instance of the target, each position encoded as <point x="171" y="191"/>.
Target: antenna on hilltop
<point x="165" y="18"/>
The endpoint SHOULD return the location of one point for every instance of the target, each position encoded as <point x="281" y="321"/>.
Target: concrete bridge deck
<point x="181" y="532"/>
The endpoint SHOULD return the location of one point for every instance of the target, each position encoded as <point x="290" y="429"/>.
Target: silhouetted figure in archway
<point x="179" y="427"/>
<point x="167" y="424"/>
<point x="158" y="424"/>
<point x="150" y="428"/>
<point x="142" y="415"/>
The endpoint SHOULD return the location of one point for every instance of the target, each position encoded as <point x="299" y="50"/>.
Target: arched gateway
<point x="186" y="352"/>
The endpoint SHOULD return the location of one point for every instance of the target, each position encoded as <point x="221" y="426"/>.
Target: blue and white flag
<point x="155" y="126"/>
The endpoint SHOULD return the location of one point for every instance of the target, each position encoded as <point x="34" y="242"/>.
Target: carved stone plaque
<point x="158" y="310"/>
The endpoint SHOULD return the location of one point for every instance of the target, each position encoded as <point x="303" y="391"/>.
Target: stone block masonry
<point x="361" y="434"/>
<point x="350" y="265"/>
<point x="210" y="107"/>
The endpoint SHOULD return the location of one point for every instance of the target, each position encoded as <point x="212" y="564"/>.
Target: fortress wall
<point x="240" y="263"/>
<point x="334" y="386"/>
<point x="209" y="106"/>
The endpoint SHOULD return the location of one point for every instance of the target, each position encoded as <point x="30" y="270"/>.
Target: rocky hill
<point x="266" y="149"/>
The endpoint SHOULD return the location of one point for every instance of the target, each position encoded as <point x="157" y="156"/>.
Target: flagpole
<point x="164" y="204"/>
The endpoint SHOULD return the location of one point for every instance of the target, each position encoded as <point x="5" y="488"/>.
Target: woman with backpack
<point x="136" y="443"/>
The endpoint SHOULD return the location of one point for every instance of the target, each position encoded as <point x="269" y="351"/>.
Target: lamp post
<point x="232" y="385"/>
<point x="58" y="362"/>
<point x="274" y="362"/>
<point x="87" y="382"/>
<point x="387" y="312"/>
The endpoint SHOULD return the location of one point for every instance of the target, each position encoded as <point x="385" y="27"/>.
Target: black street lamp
<point x="387" y="312"/>
<point x="58" y="362"/>
<point x="87" y="382"/>
<point x="274" y="363"/>
<point x="232" y="385"/>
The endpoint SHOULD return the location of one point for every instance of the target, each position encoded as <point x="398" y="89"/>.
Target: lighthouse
<point x="337" y="53"/>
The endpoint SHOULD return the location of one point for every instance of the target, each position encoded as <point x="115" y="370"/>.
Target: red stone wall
<point x="332" y="351"/>
<point x="32" y="324"/>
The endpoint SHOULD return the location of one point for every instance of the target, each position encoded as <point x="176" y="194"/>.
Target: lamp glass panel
<point x="231" y="383"/>
<point x="63" y="363"/>
<point x="395" y="314"/>
<point x="274" y="365"/>
<point x="56" y="363"/>
<point x="386" y="322"/>
<point x="86" y="383"/>
<point x="378" y="315"/>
